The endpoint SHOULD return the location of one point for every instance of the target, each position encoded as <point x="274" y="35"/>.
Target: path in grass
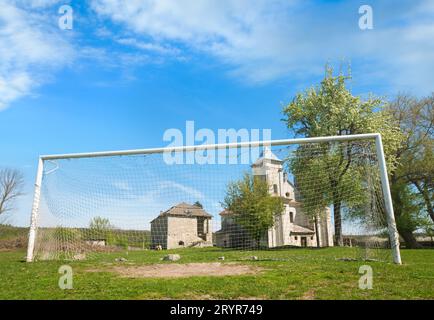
<point x="285" y="274"/>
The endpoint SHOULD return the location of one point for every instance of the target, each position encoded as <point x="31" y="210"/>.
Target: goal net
<point x="269" y="195"/>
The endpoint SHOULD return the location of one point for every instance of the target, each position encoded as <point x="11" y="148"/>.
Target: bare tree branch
<point x="11" y="186"/>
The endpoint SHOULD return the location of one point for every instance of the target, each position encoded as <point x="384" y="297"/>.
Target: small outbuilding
<point x="183" y="225"/>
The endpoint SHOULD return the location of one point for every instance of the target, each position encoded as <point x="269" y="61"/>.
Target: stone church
<point x="291" y="228"/>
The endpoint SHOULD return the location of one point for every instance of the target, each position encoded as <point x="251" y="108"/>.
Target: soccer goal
<point x="255" y="195"/>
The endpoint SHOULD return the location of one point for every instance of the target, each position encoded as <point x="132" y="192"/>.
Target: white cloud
<point x="189" y="191"/>
<point x="37" y="3"/>
<point x="256" y="41"/>
<point x="238" y="32"/>
<point x="148" y="46"/>
<point x="264" y="40"/>
<point x="30" y="49"/>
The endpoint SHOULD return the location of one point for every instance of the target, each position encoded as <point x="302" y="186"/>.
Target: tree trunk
<point x="317" y="232"/>
<point x="409" y="239"/>
<point x="338" y="223"/>
<point x="426" y="197"/>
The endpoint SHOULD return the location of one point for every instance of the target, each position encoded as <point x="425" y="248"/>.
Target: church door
<point x="303" y="242"/>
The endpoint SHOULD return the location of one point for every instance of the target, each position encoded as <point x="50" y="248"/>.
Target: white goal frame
<point x="391" y="224"/>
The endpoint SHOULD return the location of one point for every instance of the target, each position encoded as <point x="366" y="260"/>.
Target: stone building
<point x="183" y="225"/>
<point x="291" y="228"/>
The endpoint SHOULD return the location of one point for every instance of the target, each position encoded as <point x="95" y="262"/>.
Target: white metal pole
<point x="35" y="211"/>
<point x="391" y="224"/>
<point x="251" y="144"/>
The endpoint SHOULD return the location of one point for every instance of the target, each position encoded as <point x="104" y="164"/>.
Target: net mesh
<point x="215" y="198"/>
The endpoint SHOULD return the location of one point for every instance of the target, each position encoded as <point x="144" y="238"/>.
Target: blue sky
<point x="128" y="71"/>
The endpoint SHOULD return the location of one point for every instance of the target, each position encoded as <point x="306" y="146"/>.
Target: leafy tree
<point x="312" y="195"/>
<point x="252" y="206"/>
<point x="198" y="204"/>
<point x="99" y="223"/>
<point x="416" y="153"/>
<point x="330" y="109"/>
<point x="407" y="212"/>
<point x="100" y="228"/>
<point x="428" y="228"/>
<point x="412" y="179"/>
<point x="311" y="174"/>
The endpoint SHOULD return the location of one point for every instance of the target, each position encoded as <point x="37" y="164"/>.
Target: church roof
<point x="184" y="209"/>
<point x="266" y="154"/>
<point x="225" y="213"/>
<point x="296" y="229"/>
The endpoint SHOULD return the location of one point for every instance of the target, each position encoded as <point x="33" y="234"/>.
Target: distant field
<point x="13" y="237"/>
<point x="280" y="274"/>
<point x="8" y="232"/>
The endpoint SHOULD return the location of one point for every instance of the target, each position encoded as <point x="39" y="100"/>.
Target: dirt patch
<point x="308" y="295"/>
<point x="175" y="270"/>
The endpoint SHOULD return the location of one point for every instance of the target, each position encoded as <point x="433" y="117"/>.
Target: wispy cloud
<point x="255" y="42"/>
<point x="30" y="49"/>
<point x="148" y="46"/>
<point x="273" y="39"/>
<point x="190" y="192"/>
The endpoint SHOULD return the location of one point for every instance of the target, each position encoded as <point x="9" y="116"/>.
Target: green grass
<point x="288" y="274"/>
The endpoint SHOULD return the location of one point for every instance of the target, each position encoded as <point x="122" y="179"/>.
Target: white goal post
<point x="391" y="225"/>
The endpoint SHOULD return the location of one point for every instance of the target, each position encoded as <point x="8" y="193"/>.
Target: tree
<point x="412" y="179"/>
<point x="99" y="223"/>
<point x="252" y="206"/>
<point x="312" y="179"/>
<point x="198" y="204"/>
<point x="312" y="195"/>
<point x="331" y="109"/>
<point x="100" y="228"/>
<point x="416" y="153"/>
<point x="428" y="228"/>
<point x="11" y="185"/>
<point x="409" y="217"/>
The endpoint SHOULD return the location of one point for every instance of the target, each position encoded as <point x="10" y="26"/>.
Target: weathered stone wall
<point x="182" y="232"/>
<point x="159" y="229"/>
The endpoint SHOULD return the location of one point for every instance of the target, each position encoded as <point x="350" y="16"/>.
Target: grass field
<point x="285" y="274"/>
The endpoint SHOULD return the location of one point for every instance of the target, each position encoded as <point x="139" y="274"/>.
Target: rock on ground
<point x="172" y="257"/>
<point x="79" y="256"/>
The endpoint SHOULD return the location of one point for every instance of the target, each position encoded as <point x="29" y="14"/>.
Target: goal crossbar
<point x="392" y="230"/>
<point x="245" y="144"/>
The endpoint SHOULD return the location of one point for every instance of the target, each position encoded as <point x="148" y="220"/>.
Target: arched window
<point x="291" y="217"/>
